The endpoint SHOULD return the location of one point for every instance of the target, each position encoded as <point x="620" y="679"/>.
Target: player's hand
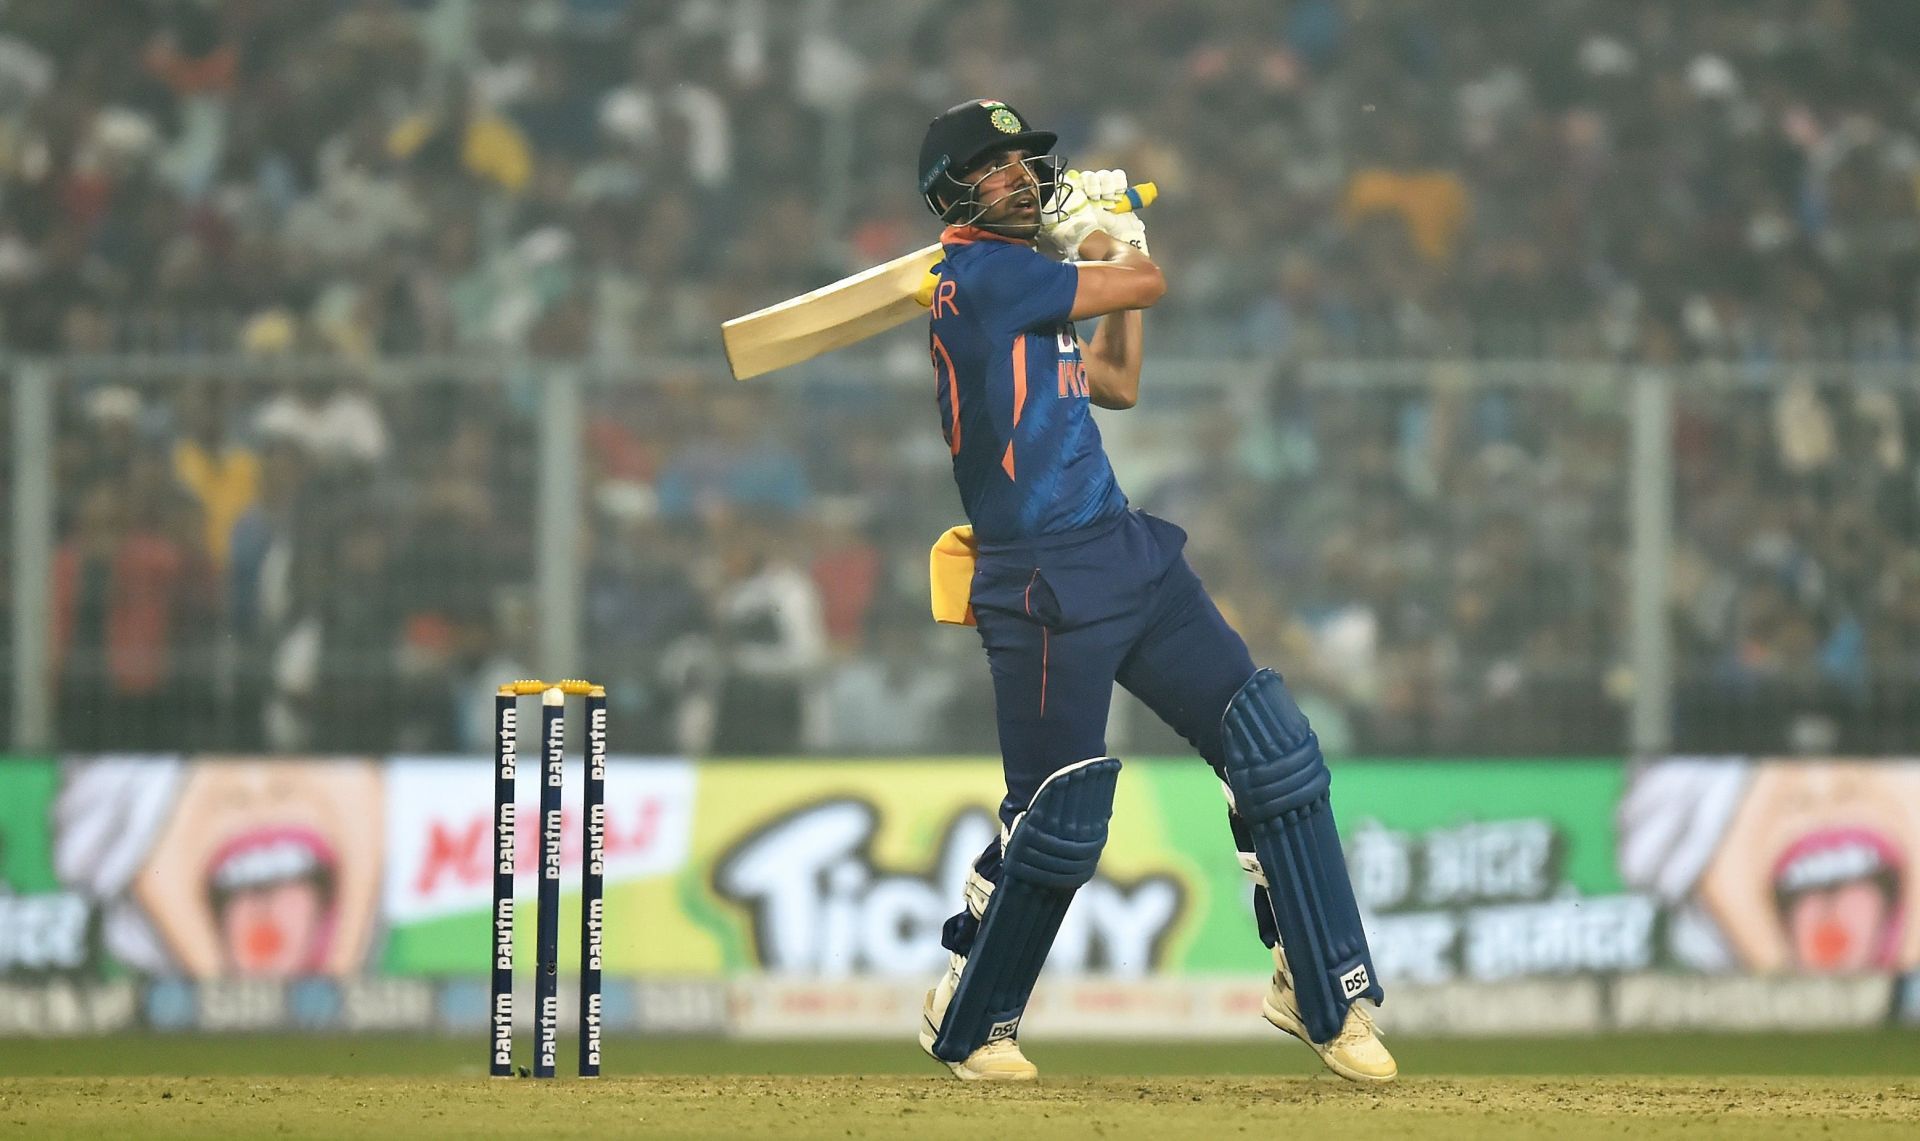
<point x="1102" y="187"/>
<point x="1084" y="193"/>
<point x="1128" y="228"/>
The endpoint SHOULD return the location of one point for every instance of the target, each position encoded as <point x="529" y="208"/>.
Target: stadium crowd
<point x="1439" y="567"/>
<point x="598" y="176"/>
<point x="1437" y="563"/>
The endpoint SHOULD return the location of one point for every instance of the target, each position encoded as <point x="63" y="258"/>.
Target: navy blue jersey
<point x="1013" y="391"/>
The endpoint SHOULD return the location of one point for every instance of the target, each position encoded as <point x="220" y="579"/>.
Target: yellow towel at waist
<point x="950" y="571"/>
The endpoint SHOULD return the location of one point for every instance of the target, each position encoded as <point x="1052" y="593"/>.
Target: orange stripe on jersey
<point x="1019" y="376"/>
<point x="953" y="391"/>
<point x="1019" y="394"/>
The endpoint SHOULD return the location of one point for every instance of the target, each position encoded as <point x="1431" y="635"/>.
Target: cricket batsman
<point x="1071" y="591"/>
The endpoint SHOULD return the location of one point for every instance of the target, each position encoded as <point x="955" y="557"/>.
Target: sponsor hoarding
<point x="764" y="897"/>
<point x="1479" y="871"/>
<point x="1801" y="866"/>
<point x="850" y="869"/>
<point x="159" y="865"/>
<point x="439" y="873"/>
<point x="1490" y="871"/>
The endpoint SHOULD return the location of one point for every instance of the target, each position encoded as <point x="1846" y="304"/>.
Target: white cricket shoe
<point x="999" y="1061"/>
<point x="1356" y="1053"/>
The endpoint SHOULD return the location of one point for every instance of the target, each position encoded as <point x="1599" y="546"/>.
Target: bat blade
<point x="854" y="308"/>
<point x="832" y="317"/>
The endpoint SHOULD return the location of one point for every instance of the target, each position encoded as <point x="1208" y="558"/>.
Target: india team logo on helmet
<point x="1002" y="117"/>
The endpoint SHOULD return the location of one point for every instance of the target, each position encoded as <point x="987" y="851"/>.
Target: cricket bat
<point x="853" y="308"/>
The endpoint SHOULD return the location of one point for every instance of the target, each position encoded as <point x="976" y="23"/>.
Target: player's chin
<point x="1017" y="224"/>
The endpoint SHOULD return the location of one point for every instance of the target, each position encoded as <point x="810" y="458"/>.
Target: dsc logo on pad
<point x="1355" y="982"/>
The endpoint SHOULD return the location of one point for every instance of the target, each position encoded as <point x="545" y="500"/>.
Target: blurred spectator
<point x="772" y="645"/>
<point x="266" y="522"/>
<point x="336" y="423"/>
<point x="894" y="697"/>
<point x="846" y="570"/>
<point x="465" y="139"/>
<point x="642" y="606"/>
<point x="118" y="591"/>
<point x="742" y="465"/>
<point x="222" y="475"/>
<point x="358" y="620"/>
<point x="673" y="123"/>
<point x="1431" y="203"/>
<point x="259" y="552"/>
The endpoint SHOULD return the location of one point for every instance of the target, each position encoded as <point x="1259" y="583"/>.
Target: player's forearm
<point x="1115" y="277"/>
<point x="1101" y="246"/>
<point x="1113" y="360"/>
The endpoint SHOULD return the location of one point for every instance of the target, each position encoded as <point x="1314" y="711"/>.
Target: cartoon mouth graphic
<point x="272" y="893"/>
<point x="1838" y="895"/>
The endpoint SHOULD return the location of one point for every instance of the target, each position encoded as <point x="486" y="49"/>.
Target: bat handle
<point x="929" y="283"/>
<point x="1136" y="197"/>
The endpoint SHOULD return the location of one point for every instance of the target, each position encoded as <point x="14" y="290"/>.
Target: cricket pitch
<point x="290" y="1087"/>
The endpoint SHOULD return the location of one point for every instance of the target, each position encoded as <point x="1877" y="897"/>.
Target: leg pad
<point x="1049" y="852"/>
<point x="1279" y="785"/>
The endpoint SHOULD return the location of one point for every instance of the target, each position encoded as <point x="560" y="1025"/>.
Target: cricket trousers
<point x="1063" y="618"/>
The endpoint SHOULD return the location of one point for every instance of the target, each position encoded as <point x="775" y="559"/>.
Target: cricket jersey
<point x="1013" y="394"/>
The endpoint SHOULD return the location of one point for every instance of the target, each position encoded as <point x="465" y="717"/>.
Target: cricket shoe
<point x="997" y="1061"/>
<point x="1356" y="1053"/>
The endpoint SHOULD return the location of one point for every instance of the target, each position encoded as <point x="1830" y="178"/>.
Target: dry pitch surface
<point x="828" y="1107"/>
<point x="184" y="1088"/>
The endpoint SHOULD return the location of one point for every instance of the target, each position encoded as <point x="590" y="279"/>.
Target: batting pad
<point x="1051" y="850"/>
<point x="1279" y="783"/>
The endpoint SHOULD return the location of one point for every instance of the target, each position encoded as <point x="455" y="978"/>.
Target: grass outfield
<point x="1872" y="1053"/>
<point x="1829" y="1086"/>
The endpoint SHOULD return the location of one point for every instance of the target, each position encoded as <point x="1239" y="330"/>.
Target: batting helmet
<point x="961" y="136"/>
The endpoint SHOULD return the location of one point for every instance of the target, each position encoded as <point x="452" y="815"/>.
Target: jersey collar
<point x="967" y="235"/>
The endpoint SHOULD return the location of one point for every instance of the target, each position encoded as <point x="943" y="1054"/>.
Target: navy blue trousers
<point x="1064" y="617"/>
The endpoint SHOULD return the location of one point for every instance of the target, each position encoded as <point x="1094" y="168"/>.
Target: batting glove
<point x="1084" y="194"/>
<point x="1128" y="228"/>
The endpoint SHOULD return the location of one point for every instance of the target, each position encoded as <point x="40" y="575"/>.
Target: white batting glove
<point x="1084" y="193"/>
<point x="1102" y="187"/>
<point x="1128" y="228"/>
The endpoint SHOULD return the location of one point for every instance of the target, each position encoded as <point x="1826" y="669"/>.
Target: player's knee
<point x="1272" y="761"/>
<point x="1056" y="842"/>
